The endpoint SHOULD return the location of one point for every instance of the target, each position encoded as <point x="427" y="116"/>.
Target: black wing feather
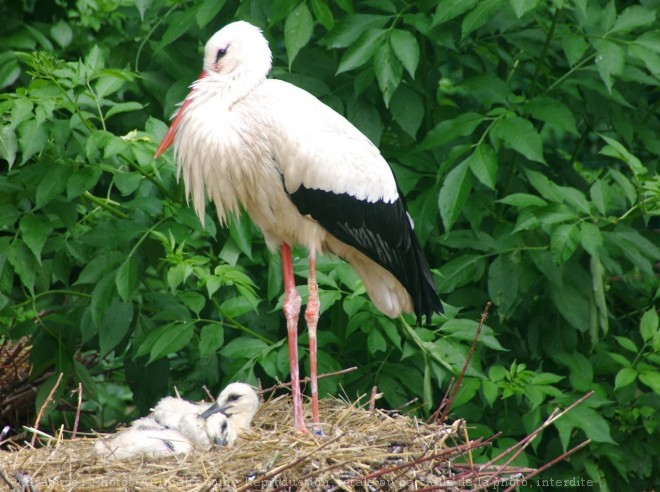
<point x="381" y="231"/>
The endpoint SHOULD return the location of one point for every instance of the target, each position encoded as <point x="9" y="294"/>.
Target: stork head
<point x="238" y="47"/>
<point x="220" y="430"/>
<point x="239" y="402"/>
<point x="239" y="51"/>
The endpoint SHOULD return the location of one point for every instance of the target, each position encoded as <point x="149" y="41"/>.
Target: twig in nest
<point x="208" y="393"/>
<point x="374" y="396"/>
<point x="273" y="473"/>
<point x="521" y="445"/>
<point x="434" y="416"/>
<point x="559" y="458"/>
<point x="77" y="420"/>
<point x="43" y="407"/>
<point x="457" y="386"/>
<point x="307" y="379"/>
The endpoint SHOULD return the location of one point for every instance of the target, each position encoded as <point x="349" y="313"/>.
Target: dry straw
<point x="362" y="449"/>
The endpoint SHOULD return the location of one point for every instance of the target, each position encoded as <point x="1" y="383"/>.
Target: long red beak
<point x="169" y="136"/>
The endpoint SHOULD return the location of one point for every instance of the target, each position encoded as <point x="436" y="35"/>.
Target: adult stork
<point x="305" y="175"/>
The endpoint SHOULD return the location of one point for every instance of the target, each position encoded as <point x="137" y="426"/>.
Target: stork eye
<point x="221" y="52"/>
<point x="224" y="426"/>
<point x="233" y="397"/>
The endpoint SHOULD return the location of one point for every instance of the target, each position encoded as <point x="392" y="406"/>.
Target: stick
<point x="550" y="463"/>
<point x="484" y="315"/>
<point x="77" y="420"/>
<point x="520" y="446"/>
<point x="374" y="396"/>
<point x="306" y="380"/>
<point x="43" y="407"/>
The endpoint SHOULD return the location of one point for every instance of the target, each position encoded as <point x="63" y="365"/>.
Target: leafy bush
<point x="523" y="134"/>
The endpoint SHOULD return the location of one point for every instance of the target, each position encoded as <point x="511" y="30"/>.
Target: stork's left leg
<point x="312" y="318"/>
<point x="291" y="312"/>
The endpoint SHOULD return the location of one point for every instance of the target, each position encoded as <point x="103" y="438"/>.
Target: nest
<point x="360" y="450"/>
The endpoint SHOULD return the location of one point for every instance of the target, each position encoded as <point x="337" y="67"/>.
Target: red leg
<point x="312" y="318"/>
<point x="291" y="312"/>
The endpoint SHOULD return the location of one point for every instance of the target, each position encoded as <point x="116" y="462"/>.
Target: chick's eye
<point x="233" y="397"/>
<point x="221" y="52"/>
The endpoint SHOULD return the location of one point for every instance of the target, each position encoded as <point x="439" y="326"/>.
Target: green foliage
<point x="524" y="135"/>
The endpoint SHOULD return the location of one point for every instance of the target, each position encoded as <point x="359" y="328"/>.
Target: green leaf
<point x="82" y="180"/>
<point x="207" y="11"/>
<point x="362" y="50"/>
<point x="24" y="263"/>
<point x="95" y="142"/>
<point x="297" y="31"/>
<point x="454" y="193"/>
<point x="52" y="184"/>
<point x="171" y="339"/>
<point x="600" y="196"/>
<point x="563" y="242"/>
<point x="124" y="107"/>
<point x="466" y="329"/>
<point x="241" y="232"/>
<point x="461" y="271"/>
<point x="521" y="7"/>
<point x="546" y="188"/>
<point x="574" y="198"/>
<point x="482" y="13"/>
<point x="574" y="46"/>
<point x="406" y="49"/>
<point x="407" y="110"/>
<point x="323" y="13"/>
<point x="483" y="164"/>
<point x="448" y="130"/>
<point x="351" y="27"/>
<point x="651" y="379"/>
<point x="520" y="135"/>
<point x="609" y="61"/>
<point x="633" y="17"/>
<point x="211" y="338"/>
<point x="142" y="6"/>
<point x="102" y="263"/>
<point x="115" y="325"/>
<point x="593" y="424"/>
<point x="179" y="23"/>
<point x="8" y="145"/>
<point x="523" y="200"/>
<point x="34" y="231"/>
<point x="32" y="139"/>
<point x="244" y="348"/>
<point x="127" y="278"/>
<point x="192" y="300"/>
<point x="617" y="150"/>
<point x="598" y="288"/>
<point x="503" y="283"/>
<point x="650" y="40"/>
<point x="376" y="341"/>
<point x="102" y="295"/>
<point x="552" y="112"/>
<point x="625" y="377"/>
<point x="388" y="72"/>
<point x="62" y="34"/>
<point x="590" y="238"/>
<point x="650" y="326"/>
<point x="627" y="344"/>
<point x="450" y="9"/>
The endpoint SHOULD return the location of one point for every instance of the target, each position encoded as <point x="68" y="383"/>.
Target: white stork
<point x="305" y="175"/>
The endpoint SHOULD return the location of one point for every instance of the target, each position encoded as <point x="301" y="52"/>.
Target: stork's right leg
<point x="291" y="312"/>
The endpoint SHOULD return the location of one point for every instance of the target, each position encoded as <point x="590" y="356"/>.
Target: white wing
<point x="315" y="146"/>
